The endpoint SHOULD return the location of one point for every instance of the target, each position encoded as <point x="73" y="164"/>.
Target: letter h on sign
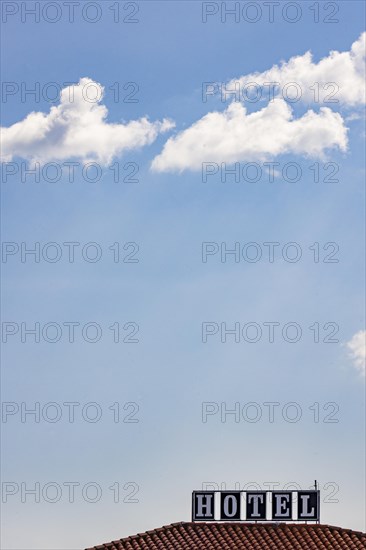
<point x="203" y="506"/>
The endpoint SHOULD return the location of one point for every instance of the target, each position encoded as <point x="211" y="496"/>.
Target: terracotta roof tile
<point x="241" y="536"/>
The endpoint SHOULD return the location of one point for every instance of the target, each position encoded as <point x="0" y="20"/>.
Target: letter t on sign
<point x="203" y="506"/>
<point x="256" y="505"/>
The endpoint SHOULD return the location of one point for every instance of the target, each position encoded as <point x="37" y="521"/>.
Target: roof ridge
<point x="242" y="525"/>
<point x="268" y="524"/>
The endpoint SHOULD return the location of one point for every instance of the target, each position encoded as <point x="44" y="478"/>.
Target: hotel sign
<point x="256" y="505"/>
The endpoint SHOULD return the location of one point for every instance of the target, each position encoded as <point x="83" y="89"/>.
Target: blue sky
<point x="170" y="373"/>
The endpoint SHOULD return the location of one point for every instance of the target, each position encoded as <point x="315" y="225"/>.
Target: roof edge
<point x="267" y="524"/>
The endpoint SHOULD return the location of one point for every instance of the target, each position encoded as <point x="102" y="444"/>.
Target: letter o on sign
<point x="230" y="506"/>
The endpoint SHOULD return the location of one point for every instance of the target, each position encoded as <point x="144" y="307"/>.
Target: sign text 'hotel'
<point x="255" y="505"/>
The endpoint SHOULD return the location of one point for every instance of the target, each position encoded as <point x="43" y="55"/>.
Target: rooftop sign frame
<point x="256" y="506"/>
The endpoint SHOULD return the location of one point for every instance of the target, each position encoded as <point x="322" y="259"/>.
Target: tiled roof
<point x="240" y="536"/>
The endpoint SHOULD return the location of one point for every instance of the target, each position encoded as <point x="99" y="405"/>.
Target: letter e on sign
<point x="281" y="505"/>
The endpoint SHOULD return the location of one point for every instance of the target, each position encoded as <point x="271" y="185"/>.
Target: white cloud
<point x="354" y="116"/>
<point x="345" y="69"/>
<point x="235" y="136"/>
<point x="357" y="347"/>
<point x="77" y="129"/>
